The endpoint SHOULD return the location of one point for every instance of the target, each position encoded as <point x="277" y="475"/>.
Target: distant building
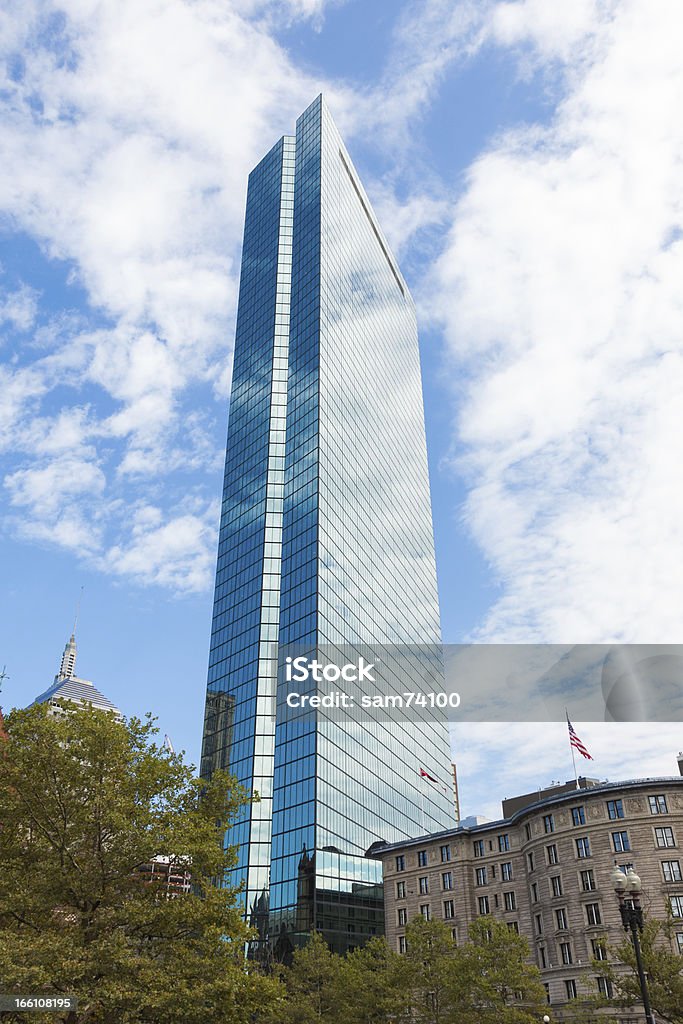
<point x="545" y="870"/>
<point x="170" y="876"/>
<point x="69" y="687"/>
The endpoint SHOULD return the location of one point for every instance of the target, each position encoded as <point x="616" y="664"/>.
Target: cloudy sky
<point x="525" y="161"/>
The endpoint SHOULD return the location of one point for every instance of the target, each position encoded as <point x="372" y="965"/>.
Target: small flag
<point x="575" y="742"/>
<point x="426" y="775"/>
<point x="168" y="744"/>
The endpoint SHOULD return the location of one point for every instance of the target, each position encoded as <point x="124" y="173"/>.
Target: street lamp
<point x="546" y="1019"/>
<point x="628" y="888"/>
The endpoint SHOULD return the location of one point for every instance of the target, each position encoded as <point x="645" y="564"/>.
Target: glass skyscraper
<point x="325" y="540"/>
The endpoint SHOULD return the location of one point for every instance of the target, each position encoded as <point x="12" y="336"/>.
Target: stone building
<point x="545" y="870"/>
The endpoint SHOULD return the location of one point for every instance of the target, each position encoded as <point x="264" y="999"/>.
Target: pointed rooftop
<point x="68" y="686"/>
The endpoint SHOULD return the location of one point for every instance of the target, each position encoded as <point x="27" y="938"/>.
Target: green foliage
<point x="487" y="979"/>
<point x="85" y="801"/>
<point x="374" y="985"/>
<point x="430" y="972"/>
<point x="503" y="985"/>
<point x="663" y="965"/>
<point x="313" y="984"/>
<point x="365" y="987"/>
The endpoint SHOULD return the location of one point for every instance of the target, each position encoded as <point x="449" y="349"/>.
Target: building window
<point x="493" y="870"/>
<point x="527" y="831"/>
<point x="426" y="911"/>
<point x="506" y="871"/>
<point x="448" y="909"/>
<point x="561" y="918"/>
<point x="478" y="846"/>
<point x="503" y="843"/>
<point x="566" y="952"/>
<point x="551" y="852"/>
<point x="400" y="863"/>
<point x="556" y="885"/>
<point x="599" y="949"/>
<point x="539" y="924"/>
<point x="620" y="842"/>
<point x="513" y="927"/>
<point x="671" y="869"/>
<point x="510" y="901"/>
<point x="424" y="885"/>
<point x="530" y="861"/>
<point x="546" y="986"/>
<point x="422" y="858"/>
<point x="570" y="988"/>
<point x="583" y="847"/>
<point x="676" y="904"/>
<point x="402" y="915"/>
<point x="605" y="987"/>
<point x="588" y="880"/>
<point x="679" y="941"/>
<point x="480" y="875"/>
<point x="400" y="890"/>
<point x="447" y="880"/>
<point x="534" y="892"/>
<point x="445" y="854"/>
<point x="454" y="936"/>
<point x="664" y="836"/>
<point x="483" y="904"/>
<point x="542" y="957"/>
<point x="593" y="913"/>
<point x="578" y="816"/>
<point x="548" y="823"/>
<point x="626" y="868"/>
<point x="615" y="809"/>
<point x="402" y="944"/>
<point x="658" y="805"/>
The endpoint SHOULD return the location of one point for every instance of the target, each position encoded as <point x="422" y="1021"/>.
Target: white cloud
<point x="177" y="552"/>
<point x="429" y="37"/>
<point x="403" y="218"/>
<point x="129" y="131"/>
<point x="496" y="762"/>
<point x="559" y="290"/>
<point x="18" y="307"/>
<point x="556" y="29"/>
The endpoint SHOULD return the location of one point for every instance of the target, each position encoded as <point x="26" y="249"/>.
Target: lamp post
<point x="628" y="888"/>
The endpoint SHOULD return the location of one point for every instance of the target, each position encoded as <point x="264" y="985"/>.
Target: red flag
<point x="426" y="775"/>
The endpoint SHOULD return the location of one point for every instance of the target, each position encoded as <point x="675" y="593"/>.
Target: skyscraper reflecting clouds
<point x="325" y="540"/>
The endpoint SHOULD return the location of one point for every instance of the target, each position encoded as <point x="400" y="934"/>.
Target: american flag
<point x="575" y="742"/>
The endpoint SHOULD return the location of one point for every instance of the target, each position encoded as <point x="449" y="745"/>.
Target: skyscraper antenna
<point x="78" y="611"/>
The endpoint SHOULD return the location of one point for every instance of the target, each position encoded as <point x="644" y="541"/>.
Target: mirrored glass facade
<point x="325" y="540"/>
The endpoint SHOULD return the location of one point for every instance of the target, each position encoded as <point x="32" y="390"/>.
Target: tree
<point x="487" y="979"/>
<point x="373" y="985"/>
<point x="429" y="971"/>
<point x="663" y="966"/>
<point x="500" y="986"/>
<point x="313" y="984"/>
<point x="85" y="801"/>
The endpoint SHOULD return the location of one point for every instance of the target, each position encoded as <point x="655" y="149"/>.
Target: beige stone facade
<point x="545" y="870"/>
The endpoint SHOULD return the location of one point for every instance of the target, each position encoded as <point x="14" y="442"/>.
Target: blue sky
<point x="524" y="160"/>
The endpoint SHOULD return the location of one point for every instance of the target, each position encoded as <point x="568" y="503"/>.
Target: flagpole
<point x="571" y="747"/>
